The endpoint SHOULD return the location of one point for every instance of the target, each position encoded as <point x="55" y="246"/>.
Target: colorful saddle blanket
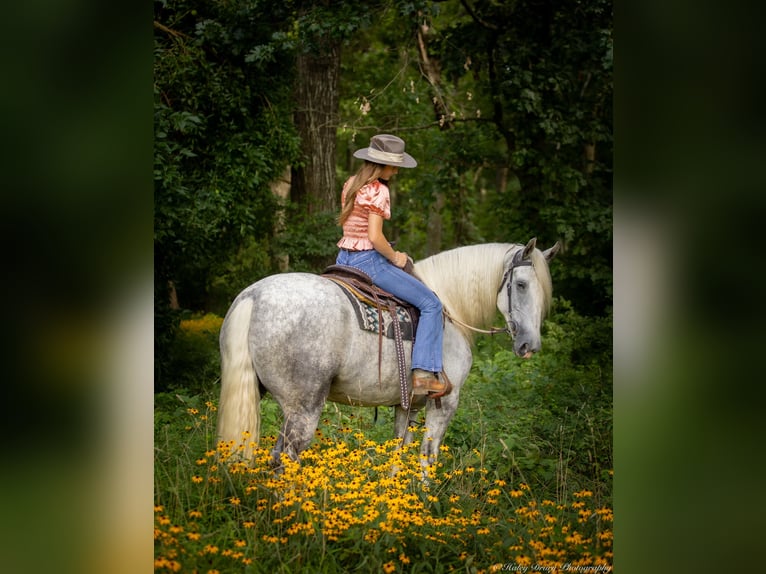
<point x="372" y="305"/>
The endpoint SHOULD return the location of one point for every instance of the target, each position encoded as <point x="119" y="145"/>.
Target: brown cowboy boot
<point x="426" y="383"/>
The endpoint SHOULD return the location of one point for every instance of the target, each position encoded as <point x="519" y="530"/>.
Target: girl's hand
<point x="401" y="259"/>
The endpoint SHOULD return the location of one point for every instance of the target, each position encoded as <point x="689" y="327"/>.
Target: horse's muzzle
<point x="525" y="349"/>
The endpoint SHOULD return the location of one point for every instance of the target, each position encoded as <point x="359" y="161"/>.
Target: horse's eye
<point x="521" y="285"/>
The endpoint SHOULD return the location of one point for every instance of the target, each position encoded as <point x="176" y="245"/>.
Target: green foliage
<point x="500" y="136"/>
<point x="193" y="356"/>
<point x="223" y="134"/>
<point x="251" y="261"/>
<point x="310" y="240"/>
<point x="551" y="416"/>
<point x="502" y="139"/>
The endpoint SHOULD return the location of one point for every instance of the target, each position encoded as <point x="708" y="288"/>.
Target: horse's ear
<point x="552" y="252"/>
<point x="529" y="248"/>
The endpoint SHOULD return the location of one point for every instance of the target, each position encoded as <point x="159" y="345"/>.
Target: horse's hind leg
<point x="296" y="434"/>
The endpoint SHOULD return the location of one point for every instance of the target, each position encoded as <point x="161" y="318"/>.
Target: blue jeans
<point x="427" y="350"/>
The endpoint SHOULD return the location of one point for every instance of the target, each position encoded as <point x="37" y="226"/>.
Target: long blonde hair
<point x="368" y="173"/>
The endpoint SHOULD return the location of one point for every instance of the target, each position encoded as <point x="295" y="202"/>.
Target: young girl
<point x="366" y="203"/>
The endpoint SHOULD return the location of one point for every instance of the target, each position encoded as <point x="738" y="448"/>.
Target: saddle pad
<point x="369" y="318"/>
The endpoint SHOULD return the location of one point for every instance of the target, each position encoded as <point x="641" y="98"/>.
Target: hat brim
<point x="407" y="159"/>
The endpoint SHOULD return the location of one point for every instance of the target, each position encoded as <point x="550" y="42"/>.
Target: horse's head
<point x="524" y="297"/>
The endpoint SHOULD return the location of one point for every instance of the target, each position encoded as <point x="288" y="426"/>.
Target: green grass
<point x="523" y="479"/>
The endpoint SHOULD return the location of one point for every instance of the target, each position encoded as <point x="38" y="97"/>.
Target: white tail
<point x="239" y="412"/>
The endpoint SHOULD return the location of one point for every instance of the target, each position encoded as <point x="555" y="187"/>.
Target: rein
<point x="492" y="331"/>
<point x="507" y="281"/>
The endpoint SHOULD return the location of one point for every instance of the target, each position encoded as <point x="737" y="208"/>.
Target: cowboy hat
<point x="386" y="149"/>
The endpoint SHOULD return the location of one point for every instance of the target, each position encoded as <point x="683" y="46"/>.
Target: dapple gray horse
<point x="295" y="335"/>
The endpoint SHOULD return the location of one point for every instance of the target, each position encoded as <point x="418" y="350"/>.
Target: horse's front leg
<point x="403" y="421"/>
<point x="437" y="421"/>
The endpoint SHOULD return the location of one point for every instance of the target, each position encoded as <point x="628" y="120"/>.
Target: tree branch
<point x="476" y="17"/>
<point x="170" y="31"/>
<point x="430" y="71"/>
<point x="378" y="129"/>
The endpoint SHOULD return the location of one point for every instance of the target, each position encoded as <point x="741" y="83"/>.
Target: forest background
<point x="507" y="107"/>
<point x="259" y="106"/>
<point x="78" y="225"/>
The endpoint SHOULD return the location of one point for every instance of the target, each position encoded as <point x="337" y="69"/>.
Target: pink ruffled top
<point x="373" y="197"/>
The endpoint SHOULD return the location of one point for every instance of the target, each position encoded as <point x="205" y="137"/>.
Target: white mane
<point x="467" y="279"/>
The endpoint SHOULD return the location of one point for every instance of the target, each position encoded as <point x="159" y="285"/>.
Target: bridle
<point x="517" y="261"/>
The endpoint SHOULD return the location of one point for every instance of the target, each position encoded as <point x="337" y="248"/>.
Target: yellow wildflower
<point x="583" y="493"/>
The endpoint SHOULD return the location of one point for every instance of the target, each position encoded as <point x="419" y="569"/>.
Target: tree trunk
<point x="430" y="68"/>
<point x="589" y="153"/>
<point x="316" y="117"/>
<point x="281" y="188"/>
